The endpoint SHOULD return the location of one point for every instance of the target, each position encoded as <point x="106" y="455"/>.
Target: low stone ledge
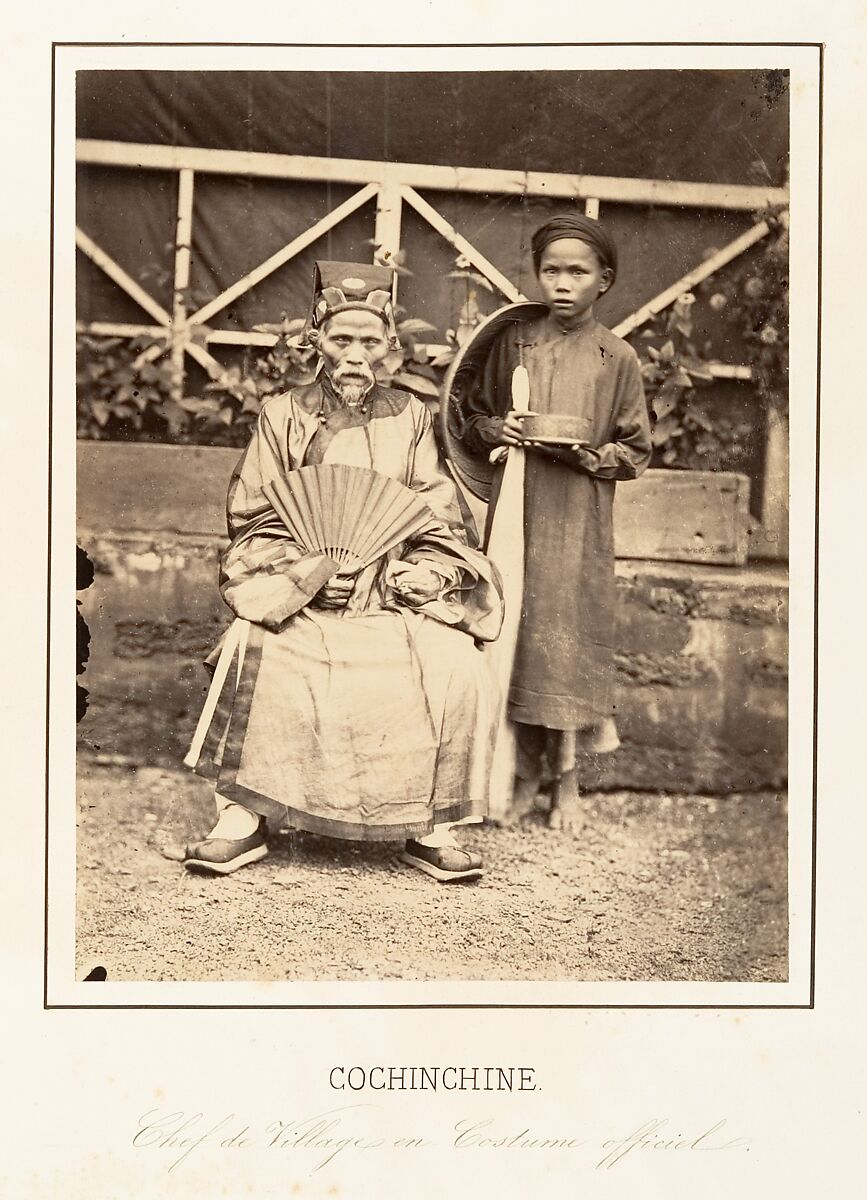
<point x="701" y="663"/>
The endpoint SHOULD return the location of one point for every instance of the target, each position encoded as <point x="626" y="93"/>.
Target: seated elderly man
<point x="356" y="706"/>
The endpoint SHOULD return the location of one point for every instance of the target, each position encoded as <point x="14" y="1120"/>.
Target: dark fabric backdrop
<point x="706" y="126"/>
<point x="717" y="126"/>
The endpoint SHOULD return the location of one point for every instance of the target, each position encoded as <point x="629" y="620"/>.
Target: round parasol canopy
<point x="474" y="470"/>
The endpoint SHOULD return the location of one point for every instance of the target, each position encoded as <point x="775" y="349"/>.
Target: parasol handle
<point x="506" y="551"/>
<point x="520" y="389"/>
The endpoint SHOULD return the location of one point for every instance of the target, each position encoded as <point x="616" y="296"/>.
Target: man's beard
<point x="352" y="385"/>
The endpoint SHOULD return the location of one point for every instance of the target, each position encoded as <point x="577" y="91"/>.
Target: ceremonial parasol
<point x="473" y="470"/>
<point x="505" y="543"/>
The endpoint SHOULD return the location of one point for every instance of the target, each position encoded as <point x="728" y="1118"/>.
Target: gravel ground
<point x="655" y="887"/>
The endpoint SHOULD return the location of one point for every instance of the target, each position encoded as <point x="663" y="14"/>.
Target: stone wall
<point x="702" y="651"/>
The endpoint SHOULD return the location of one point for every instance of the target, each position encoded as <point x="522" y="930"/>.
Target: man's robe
<point x="563" y="676"/>
<point x="374" y="722"/>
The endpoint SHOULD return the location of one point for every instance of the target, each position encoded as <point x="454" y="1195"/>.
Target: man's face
<point x="351" y="344"/>
<point x="571" y="277"/>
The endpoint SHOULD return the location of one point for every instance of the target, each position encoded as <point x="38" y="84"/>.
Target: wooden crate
<point x="684" y="516"/>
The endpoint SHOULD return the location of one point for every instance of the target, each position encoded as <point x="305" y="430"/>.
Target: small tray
<point x="556" y="441"/>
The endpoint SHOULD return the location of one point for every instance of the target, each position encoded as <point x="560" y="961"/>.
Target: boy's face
<point x="571" y="277"/>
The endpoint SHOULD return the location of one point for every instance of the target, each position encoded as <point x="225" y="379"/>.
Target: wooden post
<point x="775" y="496"/>
<point x="386" y="236"/>
<point x="183" y="237"/>
<point x="397" y="183"/>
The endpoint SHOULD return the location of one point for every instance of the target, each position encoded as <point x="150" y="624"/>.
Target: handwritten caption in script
<point x="317" y="1140"/>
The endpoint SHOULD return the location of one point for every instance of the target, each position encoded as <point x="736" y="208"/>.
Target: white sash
<point x="236" y="639"/>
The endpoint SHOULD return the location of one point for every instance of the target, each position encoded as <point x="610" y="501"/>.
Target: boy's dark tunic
<point x="564" y="671"/>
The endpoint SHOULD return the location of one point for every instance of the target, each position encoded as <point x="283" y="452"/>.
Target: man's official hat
<point x="339" y="286"/>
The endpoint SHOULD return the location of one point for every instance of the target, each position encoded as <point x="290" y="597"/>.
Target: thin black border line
<point x="820" y="46"/>
<point x="431" y="1006"/>
<point x="428" y="46"/>
<point x="817" y="500"/>
<point x="52" y="119"/>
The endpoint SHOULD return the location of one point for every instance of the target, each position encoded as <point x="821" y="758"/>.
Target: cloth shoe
<point x="443" y="863"/>
<point x="220" y="856"/>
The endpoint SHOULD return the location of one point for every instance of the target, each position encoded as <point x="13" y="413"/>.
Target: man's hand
<point x="334" y="594"/>
<point x="512" y="433"/>
<point x="415" y="584"/>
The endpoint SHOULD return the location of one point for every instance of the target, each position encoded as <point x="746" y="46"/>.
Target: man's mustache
<point x="353" y="372"/>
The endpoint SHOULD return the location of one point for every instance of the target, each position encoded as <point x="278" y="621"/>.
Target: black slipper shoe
<point x="220" y="856"/>
<point x="443" y="863"/>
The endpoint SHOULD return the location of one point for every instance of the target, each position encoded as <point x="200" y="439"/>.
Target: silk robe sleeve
<point x="470" y="597"/>
<point x="265" y="576"/>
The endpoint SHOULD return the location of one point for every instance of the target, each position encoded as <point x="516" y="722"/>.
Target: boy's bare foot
<point x="567" y="812"/>
<point x="523" y="801"/>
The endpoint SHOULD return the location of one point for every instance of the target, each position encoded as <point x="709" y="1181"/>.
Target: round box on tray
<point x="555" y="428"/>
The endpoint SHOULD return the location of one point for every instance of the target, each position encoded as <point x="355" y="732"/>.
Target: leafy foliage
<point x="754" y="303"/>
<point x="123" y="396"/>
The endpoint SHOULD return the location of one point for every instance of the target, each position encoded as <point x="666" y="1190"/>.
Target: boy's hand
<point x="512" y="433"/>
<point x="580" y="455"/>
<point x="586" y="457"/>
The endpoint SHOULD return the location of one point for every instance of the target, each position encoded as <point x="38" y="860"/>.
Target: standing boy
<point x="562" y="688"/>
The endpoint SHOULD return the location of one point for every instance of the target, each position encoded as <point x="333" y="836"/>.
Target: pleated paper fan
<point x="351" y="514"/>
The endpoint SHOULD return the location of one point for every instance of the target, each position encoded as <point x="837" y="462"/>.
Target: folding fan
<point x="351" y="514"/>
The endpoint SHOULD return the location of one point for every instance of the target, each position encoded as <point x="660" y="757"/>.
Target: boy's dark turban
<point x="576" y="225"/>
